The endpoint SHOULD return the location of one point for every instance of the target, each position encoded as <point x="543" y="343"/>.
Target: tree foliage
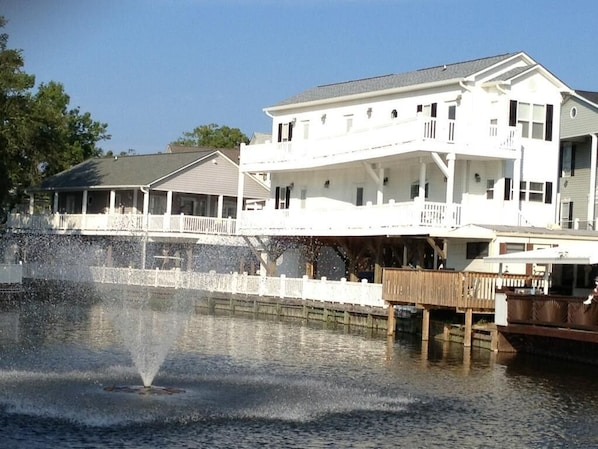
<point x="213" y="136"/>
<point x="40" y="135"/>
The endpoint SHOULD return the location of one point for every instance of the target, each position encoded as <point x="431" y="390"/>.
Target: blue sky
<point x="153" y="69"/>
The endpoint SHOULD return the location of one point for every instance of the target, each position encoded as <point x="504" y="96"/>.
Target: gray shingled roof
<point x="590" y="96"/>
<point x="111" y="172"/>
<point x="423" y="76"/>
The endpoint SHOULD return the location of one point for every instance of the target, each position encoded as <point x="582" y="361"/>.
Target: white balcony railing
<point x="122" y="223"/>
<point x="361" y="220"/>
<point x="421" y="133"/>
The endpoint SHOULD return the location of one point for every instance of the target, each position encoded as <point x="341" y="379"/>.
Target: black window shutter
<point x="277" y="198"/>
<point x="290" y="131"/>
<point x="548" y="194"/>
<point x="573" y="160"/>
<point x="287" y="198"/>
<point x="280" y="132"/>
<point x="549" y="113"/>
<point x="434" y="110"/>
<point x="420" y="108"/>
<point x="507" y="195"/>
<point x="513" y="113"/>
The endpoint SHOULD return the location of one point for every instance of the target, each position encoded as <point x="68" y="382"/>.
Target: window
<point x="508" y="193"/>
<point x="359" y="196"/>
<point x="568" y="160"/>
<point x="285" y="132"/>
<point x="514" y="248"/>
<point x="537" y="192"/>
<point x="476" y="250"/>
<point x="305" y="129"/>
<point x="535" y="119"/>
<point x="490" y="189"/>
<point x="348" y="123"/>
<point x="429" y="111"/>
<point x="303" y="198"/>
<point x="573" y="112"/>
<point x="415" y="190"/>
<point x="567" y="214"/>
<point x="283" y="197"/>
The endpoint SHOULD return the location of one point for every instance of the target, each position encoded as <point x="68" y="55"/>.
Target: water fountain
<point x="149" y="322"/>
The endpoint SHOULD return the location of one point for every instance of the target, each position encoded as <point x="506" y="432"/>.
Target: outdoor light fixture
<point x="291" y="185"/>
<point x="369" y="112"/>
<point x="477" y="177"/>
<point x="385" y="180"/>
<point x="327" y="183"/>
<point x="323" y="118"/>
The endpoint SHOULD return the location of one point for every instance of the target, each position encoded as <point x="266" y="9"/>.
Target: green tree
<point x="39" y="134"/>
<point x="213" y="136"/>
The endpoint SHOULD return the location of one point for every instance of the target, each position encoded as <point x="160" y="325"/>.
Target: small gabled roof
<point x="121" y="171"/>
<point x="457" y="71"/>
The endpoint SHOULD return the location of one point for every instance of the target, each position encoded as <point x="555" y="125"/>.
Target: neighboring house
<point x="578" y="161"/>
<point x="180" y="206"/>
<point x="427" y="168"/>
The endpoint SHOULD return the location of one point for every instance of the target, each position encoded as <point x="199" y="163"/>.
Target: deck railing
<point x="127" y="223"/>
<point x="451" y="289"/>
<point x="369" y="142"/>
<point x="552" y="311"/>
<point x="343" y="292"/>
<point x="370" y="218"/>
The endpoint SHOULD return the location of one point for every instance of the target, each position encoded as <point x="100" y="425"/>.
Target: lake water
<point x="253" y="382"/>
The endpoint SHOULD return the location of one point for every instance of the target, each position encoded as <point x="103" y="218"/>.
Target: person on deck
<point x="593" y="294"/>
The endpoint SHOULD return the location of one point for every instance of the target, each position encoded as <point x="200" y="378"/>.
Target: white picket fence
<point x="324" y="290"/>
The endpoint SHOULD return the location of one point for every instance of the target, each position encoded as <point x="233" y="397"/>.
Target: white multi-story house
<point x="440" y="166"/>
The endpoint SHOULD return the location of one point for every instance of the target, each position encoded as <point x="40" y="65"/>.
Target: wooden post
<point x="468" y="325"/>
<point x="426" y="324"/>
<point x="391" y="324"/>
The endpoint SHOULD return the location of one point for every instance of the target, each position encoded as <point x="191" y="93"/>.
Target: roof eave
<point x="376" y="93"/>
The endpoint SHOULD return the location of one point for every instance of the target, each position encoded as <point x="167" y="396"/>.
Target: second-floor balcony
<point x="121" y="224"/>
<point x="400" y="137"/>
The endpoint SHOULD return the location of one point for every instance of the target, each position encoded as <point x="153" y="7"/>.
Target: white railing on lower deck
<point x="123" y="223"/>
<point x="343" y="292"/>
<point x="370" y="218"/>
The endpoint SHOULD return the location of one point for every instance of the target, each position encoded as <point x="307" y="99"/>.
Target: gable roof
<point x="121" y="172"/>
<point x="447" y="72"/>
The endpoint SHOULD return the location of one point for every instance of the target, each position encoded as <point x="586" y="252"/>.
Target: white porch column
<point x="240" y="189"/>
<point x="31" y="204"/>
<point x="422" y="180"/>
<point x="84" y="203"/>
<point x="380" y="193"/>
<point x="450" y="179"/>
<point x="592" y="195"/>
<point x="135" y="197"/>
<point x="517" y="181"/>
<point x="55" y="205"/>
<point x="112" y="201"/>
<point x="169" y="202"/>
<point x="220" y="205"/>
<point x="146" y="202"/>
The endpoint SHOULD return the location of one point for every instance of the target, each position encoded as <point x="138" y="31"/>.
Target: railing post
<point x="304" y="286"/>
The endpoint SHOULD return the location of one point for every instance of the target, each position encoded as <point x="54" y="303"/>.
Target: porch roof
<point x="582" y="254"/>
<point x="120" y="172"/>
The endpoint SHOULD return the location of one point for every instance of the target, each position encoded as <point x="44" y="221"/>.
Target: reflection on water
<point x="269" y="383"/>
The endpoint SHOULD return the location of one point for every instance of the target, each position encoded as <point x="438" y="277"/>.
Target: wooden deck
<point x="464" y="292"/>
